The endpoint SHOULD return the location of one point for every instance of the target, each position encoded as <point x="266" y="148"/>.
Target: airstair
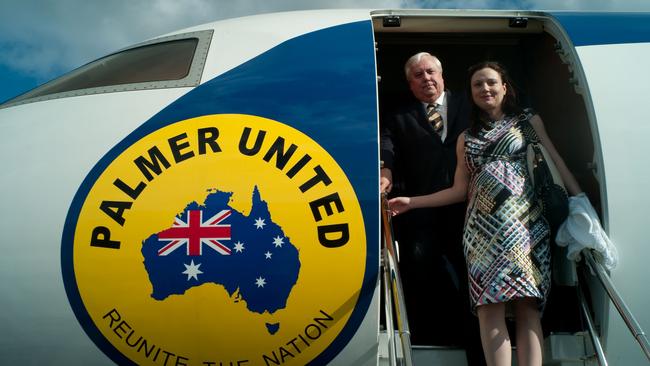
<point x="582" y="348"/>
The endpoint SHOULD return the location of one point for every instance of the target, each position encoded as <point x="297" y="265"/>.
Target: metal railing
<point x="618" y="302"/>
<point x="593" y="334"/>
<point x="393" y="293"/>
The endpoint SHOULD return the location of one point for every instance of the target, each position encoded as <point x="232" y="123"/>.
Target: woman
<point x="506" y="239"/>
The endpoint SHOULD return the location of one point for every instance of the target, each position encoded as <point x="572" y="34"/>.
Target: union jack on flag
<point x="196" y="232"/>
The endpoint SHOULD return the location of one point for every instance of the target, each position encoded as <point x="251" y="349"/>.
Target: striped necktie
<point x="435" y="118"/>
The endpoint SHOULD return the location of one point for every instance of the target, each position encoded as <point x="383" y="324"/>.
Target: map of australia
<point x="249" y="256"/>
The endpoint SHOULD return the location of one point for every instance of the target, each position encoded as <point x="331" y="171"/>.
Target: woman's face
<point x="488" y="91"/>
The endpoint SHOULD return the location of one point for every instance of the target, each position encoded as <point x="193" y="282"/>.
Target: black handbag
<point x="547" y="182"/>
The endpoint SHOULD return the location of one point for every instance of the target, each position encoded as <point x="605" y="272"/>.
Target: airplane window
<point x="169" y="62"/>
<point x="162" y="61"/>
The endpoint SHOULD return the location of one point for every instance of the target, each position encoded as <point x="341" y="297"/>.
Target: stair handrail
<point x="619" y="303"/>
<point x="393" y="284"/>
<point x="591" y="329"/>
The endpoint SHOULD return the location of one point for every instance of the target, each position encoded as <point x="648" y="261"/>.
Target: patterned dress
<point x="506" y="239"/>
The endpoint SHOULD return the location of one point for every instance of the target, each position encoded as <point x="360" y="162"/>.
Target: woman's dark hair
<point x="478" y="117"/>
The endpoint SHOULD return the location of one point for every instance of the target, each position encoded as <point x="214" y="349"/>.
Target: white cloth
<point x="582" y="230"/>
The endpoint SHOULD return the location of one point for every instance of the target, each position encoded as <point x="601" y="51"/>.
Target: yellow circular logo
<point x="218" y="240"/>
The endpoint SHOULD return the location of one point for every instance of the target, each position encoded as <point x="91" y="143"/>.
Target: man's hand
<point x="386" y="180"/>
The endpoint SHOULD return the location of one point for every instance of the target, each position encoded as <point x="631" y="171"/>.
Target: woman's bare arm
<point x="456" y="193"/>
<point x="568" y="178"/>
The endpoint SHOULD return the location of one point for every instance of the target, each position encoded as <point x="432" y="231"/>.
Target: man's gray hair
<point x="417" y="58"/>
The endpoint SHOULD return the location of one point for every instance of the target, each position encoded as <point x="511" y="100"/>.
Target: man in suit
<point x="418" y="151"/>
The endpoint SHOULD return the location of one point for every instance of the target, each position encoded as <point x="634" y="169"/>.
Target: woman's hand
<point x="399" y="205"/>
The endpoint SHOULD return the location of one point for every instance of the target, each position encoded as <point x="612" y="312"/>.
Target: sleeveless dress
<point x="506" y="238"/>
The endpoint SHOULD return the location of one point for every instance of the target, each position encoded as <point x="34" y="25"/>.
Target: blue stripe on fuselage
<point x="587" y="29"/>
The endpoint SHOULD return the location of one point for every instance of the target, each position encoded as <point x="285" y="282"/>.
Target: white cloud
<point x="44" y="38"/>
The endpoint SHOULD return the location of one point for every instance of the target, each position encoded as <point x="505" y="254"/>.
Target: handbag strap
<point x="544" y="170"/>
<point x="526" y="128"/>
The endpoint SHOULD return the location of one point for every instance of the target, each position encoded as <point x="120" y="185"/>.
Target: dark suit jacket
<point x="420" y="162"/>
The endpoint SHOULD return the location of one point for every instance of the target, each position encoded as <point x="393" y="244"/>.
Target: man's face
<point x="425" y="80"/>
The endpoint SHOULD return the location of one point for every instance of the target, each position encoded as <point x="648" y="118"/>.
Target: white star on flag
<point x="259" y="223"/>
<point x="268" y="255"/>
<point x="192" y="270"/>
<point x="278" y="241"/>
<point x="239" y="247"/>
<point x="260" y="282"/>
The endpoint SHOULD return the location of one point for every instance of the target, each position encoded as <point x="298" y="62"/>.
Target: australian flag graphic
<point x="213" y="243"/>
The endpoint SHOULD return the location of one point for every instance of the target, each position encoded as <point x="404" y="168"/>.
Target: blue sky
<point x="43" y="39"/>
